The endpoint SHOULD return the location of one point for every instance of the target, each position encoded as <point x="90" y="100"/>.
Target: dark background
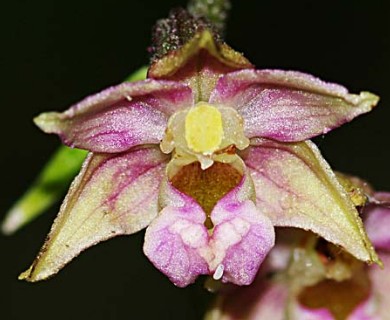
<point x="54" y="53"/>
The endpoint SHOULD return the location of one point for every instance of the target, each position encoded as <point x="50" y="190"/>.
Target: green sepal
<point x="51" y="183"/>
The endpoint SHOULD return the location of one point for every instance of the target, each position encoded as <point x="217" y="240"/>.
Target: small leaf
<point x="50" y="185"/>
<point x="140" y="74"/>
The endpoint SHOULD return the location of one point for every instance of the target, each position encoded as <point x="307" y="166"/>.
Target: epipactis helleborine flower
<point x="210" y="155"/>
<point x="305" y="278"/>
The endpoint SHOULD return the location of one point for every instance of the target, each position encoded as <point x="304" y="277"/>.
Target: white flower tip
<point x="218" y="272"/>
<point x="48" y="122"/>
<point x="367" y="100"/>
<point x="26" y="275"/>
<point x="13" y="221"/>
<point x="370" y="98"/>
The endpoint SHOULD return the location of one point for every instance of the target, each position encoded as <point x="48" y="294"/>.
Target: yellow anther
<point x="203" y="128"/>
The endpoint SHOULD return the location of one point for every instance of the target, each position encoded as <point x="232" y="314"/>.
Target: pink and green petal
<point x="295" y="187"/>
<point x="120" y="117"/>
<point x="113" y="195"/>
<point x="288" y="106"/>
<point x="241" y="239"/>
<point x="176" y="241"/>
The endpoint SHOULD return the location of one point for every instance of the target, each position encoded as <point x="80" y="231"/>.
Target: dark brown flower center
<point x="340" y="298"/>
<point x="206" y="186"/>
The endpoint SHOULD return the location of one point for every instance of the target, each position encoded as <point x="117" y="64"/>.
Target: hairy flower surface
<point x="209" y="154"/>
<point x="305" y="278"/>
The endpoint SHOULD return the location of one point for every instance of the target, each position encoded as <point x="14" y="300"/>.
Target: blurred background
<point x="53" y="53"/>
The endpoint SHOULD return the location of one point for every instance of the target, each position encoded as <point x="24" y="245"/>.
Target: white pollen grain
<point x="218" y="272"/>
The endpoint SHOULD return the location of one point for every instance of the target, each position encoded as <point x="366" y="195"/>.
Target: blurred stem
<point x="49" y="186"/>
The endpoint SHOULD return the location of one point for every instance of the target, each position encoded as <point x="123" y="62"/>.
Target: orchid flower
<point x="305" y="278"/>
<point x="209" y="155"/>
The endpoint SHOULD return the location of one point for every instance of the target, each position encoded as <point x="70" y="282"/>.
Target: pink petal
<point x="373" y="307"/>
<point x="241" y="239"/>
<point x="301" y="313"/>
<point x="175" y="241"/>
<point x="118" y="118"/>
<point x="377" y="221"/>
<point x="261" y="300"/>
<point x="287" y="105"/>
<point x="112" y="195"/>
<point x="265" y="298"/>
<point x="367" y="310"/>
<point x="295" y="187"/>
<point x="270" y="304"/>
<point x="380" y="278"/>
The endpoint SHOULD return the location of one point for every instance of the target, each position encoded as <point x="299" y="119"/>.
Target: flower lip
<point x="180" y="244"/>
